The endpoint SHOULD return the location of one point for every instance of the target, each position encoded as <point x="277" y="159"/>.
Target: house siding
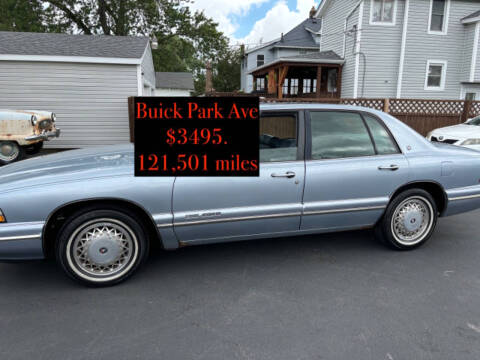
<point x="90" y="100"/>
<point x="381" y="45"/>
<point x="421" y="47"/>
<point x="333" y="23"/>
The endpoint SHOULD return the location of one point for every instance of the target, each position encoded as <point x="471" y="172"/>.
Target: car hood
<point x="67" y="166"/>
<point x="454" y="149"/>
<point x="459" y="131"/>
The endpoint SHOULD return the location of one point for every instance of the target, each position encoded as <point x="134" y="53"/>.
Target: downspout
<point x="402" y="49"/>
<point x="346" y="25"/>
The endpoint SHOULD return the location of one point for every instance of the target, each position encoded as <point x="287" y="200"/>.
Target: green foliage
<point x="21" y="15"/>
<point x="186" y="39"/>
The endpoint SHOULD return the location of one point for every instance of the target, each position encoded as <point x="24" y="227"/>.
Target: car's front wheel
<point x="10" y="152"/>
<point x="101" y="247"/>
<point x="409" y="220"/>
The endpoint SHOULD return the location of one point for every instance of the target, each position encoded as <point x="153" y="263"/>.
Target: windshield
<point x="475" y="121"/>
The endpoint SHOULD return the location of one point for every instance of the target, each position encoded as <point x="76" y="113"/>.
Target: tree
<point x="186" y="39"/>
<point x="21" y="15"/>
<point x="225" y="73"/>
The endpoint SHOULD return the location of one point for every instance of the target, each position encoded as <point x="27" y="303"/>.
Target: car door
<point x="209" y="209"/>
<point x="353" y="165"/>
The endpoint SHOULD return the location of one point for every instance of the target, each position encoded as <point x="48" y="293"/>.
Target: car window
<point x="382" y="139"/>
<point x="337" y="134"/>
<point x="278" y="137"/>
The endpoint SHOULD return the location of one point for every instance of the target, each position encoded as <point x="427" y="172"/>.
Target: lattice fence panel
<point x="426" y="107"/>
<point x="474" y="109"/>
<point x="377" y="104"/>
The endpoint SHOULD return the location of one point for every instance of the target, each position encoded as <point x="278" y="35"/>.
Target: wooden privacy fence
<point x="421" y="115"/>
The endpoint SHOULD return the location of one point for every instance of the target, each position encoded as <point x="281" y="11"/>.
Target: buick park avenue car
<point x="324" y="168"/>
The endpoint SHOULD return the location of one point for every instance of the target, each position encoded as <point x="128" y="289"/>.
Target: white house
<point x="85" y="79"/>
<point x="174" y="84"/>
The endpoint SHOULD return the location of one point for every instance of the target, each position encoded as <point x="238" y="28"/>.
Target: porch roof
<point x="323" y="57"/>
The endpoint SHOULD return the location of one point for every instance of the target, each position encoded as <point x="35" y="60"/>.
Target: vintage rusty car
<point x="23" y="132"/>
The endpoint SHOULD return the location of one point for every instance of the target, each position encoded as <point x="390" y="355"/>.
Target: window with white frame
<point x="438" y="18"/>
<point x="382" y="12"/>
<point x="260" y="60"/>
<point x="260" y="84"/>
<point x="435" y="77"/>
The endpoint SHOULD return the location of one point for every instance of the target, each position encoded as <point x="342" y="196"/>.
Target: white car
<point x="466" y="134"/>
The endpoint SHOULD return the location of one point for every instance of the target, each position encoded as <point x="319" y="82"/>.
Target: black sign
<point x="196" y="136"/>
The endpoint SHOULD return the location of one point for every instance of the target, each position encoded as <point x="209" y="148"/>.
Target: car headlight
<point x="54" y="117"/>
<point x="44" y="124"/>
<point x="33" y="120"/>
<point x="2" y="217"/>
<point x="471" y="142"/>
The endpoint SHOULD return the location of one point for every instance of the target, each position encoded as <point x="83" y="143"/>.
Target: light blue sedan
<point x="324" y="168"/>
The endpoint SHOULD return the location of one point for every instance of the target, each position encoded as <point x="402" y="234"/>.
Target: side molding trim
<point x="24" y="237"/>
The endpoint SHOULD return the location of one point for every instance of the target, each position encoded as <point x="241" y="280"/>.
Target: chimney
<point x="208" y="78"/>
<point x="312" y="12"/>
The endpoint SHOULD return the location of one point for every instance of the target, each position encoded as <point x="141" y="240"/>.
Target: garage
<point x="84" y="79"/>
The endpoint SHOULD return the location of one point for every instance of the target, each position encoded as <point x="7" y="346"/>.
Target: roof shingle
<point x="299" y="36"/>
<point x="54" y="44"/>
<point x="174" y="80"/>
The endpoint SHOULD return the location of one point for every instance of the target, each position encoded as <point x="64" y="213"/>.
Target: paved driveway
<point x="336" y="296"/>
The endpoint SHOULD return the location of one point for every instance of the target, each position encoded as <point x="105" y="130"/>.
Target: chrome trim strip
<point x="466" y="197"/>
<point x="164" y="225"/>
<point x="334" y="211"/>
<point x="23" y="237"/>
<point x="239" y="218"/>
<point x="271" y="216"/>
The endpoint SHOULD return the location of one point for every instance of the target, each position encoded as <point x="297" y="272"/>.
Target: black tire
<point x="34" y="149"/>
<point x="10" y="152"/>
<point x="105" y="260"/>
<point x="399" y="229"/>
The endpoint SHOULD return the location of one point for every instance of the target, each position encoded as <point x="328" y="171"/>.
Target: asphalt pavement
<point x="334" y="296"/>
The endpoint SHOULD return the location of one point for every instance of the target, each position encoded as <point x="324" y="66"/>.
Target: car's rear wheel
<point x="10" y="152"/>
<point x="409" y="220"/>
<point x="101" y="247"/>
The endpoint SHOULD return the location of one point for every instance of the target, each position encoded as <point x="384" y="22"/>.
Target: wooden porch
<point x="298" y="80"/>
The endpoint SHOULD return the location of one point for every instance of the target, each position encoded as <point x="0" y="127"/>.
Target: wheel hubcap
<point x="8" y="151"/>
<point x="412" y="220"/>
<point x="103" y="249"/>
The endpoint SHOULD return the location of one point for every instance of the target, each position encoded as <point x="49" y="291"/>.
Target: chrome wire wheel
<point x="9" y="151"/>
<point x="102" y="250"/>
<point x="412" y="220"/>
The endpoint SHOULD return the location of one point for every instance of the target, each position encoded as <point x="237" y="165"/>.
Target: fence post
<point x="467" y="105"/>
<point x="386" y="105"/>
<point x="131" y="117"/>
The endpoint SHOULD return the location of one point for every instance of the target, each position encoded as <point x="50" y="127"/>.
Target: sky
<point x="254" y="21"/>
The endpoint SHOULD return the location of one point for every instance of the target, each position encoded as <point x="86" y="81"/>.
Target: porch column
<point x="282" y="74"/>
<point x="319" y="80"/>
<point x="271" y="83"/>
<point x="339" y="81"/>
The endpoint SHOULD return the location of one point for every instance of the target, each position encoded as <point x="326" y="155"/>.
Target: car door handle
<point x="288" y="174"/>
<point x="391" y="167"/>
